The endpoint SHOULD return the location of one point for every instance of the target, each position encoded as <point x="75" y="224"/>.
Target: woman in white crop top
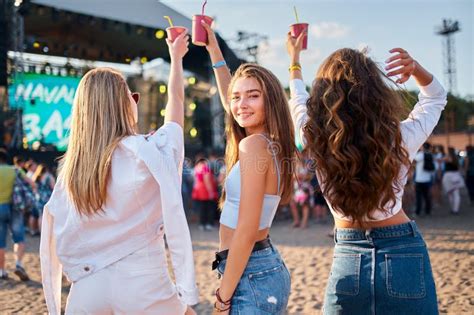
<point x="117" y="194"/>
<point x="349" y="124"/>
<point x="260" y="161"/>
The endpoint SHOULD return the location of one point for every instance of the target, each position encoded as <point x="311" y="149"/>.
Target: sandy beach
<point x="308" y="255"/>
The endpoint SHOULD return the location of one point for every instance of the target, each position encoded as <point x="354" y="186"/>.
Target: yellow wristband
<point x="294" y="67"/>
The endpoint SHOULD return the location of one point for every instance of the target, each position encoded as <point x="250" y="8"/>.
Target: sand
<point x="308" y="255"/>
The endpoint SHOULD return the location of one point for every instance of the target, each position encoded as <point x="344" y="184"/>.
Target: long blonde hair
<point x="278" y="125"/>
<point x="101" y="116"/>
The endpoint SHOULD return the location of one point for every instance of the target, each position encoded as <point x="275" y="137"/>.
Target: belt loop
<point x="413" y="228"/>
<point x="368" y="236"/>
<point x="335" y="235"/>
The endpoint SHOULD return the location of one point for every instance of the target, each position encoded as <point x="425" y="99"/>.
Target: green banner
<point x="46" y="101"/>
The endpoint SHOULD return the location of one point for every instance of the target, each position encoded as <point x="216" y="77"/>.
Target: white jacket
<point x="144" y="200"/>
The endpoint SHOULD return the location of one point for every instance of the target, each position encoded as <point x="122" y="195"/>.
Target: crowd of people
<point x="25" y="188"/>
<point x="436" y="179"/>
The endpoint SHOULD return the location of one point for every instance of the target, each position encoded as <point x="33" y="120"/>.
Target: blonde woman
<point x="260" y="160"/>
<point x="117" y="194"/>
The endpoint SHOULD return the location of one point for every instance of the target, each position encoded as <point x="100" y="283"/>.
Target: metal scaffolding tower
<point x="447" y="30"/>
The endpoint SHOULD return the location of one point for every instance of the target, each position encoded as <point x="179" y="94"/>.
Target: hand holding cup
<point x="179" y="47"/>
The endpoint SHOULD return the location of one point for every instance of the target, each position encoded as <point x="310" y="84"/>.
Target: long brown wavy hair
<point x="278" y="125"/>
<point x="353" y="133"/>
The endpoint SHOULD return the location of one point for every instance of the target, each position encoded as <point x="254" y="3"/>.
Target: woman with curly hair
<point x="350" y="125"/>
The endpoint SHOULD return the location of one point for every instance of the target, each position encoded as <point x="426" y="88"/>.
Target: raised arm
<point x="431" y="100"/>
<point x="298" y="93"/>
<point x="175" y="107"/>
<point x="221" y="71"/>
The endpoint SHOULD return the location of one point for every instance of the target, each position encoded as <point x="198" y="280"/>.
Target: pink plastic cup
<point x="174" y="31"/>
<point x="297" y="29"/>
<point x="199" y="32"/>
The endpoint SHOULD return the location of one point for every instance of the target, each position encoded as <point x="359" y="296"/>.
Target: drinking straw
<point x="296" y="14"/>
<point x="203" y="5"/>
<point x="169" y="20"/>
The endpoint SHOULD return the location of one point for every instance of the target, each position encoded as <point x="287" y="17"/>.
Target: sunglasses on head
<point x="136" y="97"/>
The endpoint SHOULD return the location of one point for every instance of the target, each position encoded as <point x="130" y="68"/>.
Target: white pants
<point x="454" y="200"/>
<point x="136" y="284"/>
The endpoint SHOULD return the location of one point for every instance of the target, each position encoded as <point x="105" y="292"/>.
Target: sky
<point x="377" y="24"/>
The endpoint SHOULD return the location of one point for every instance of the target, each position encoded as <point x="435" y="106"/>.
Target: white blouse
<point x="143" y="202"/>
<point x="415" y="130"/>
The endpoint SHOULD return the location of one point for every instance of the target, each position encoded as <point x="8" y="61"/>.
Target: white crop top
<point x="230" y="211"/>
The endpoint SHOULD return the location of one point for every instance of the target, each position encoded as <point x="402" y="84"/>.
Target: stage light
<point x="128" y="60"/>
<point x="192" y="80"/>
<point x="162" y="89"/>
<point x="18" y="3"/>
<point x="163" y="112"/>
<point x="25" y="143"/>
<point x="45" y="49"/>
<point x="160" y="34"/>
<point x="193" y="132"/>
<point x="36" y="145"/>
<point x="143" y="60"/>
<point x="192" y="106"/>
<point x="36" y="45"/>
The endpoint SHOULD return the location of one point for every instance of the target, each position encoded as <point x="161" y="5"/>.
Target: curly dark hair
<point x="353" y="133"/>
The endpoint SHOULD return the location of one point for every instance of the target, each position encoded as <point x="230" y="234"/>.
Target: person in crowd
<point x="349" y="124"/>
<point x="438" y="156"/>
<point x="10" y="218"/>
<point x="453" y="181"/>
<point x="33" y="215"/>
<point x="117" y="194"/>
<point x="469" y="172"/>
<point x="319" y="203"/>
<point x="204" y="193"/>
<point x="44" y="182"/>
<point x="302" y="197"/>
<point x="260" y="154"/>
<point x="424" y="176"/>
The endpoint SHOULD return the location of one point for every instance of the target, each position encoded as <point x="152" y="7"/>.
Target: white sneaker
<point x="209" y="227"/>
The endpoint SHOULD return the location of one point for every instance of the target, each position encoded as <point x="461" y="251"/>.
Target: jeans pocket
<point x="271" y="289"/>
<point x="405" y="276"/>
<point x="345" y="274"/>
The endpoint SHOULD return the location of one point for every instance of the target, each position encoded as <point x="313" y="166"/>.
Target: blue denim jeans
<point x="13" y="220"/>
<point x="264" y="287"/>
<point x="381" y="271"/>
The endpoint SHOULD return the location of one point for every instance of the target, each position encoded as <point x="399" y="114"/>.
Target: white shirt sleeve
<point x="51" y="268"/>
<point x="178" y="237"/>
<point x="424" y="117"/>
<point x="298" y="110"/>
<point x="175" y="139"/>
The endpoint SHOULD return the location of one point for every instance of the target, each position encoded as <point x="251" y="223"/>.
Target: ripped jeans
<point x="264" y="287"/>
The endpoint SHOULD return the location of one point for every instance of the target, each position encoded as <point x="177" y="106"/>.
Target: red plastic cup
<point x="297" y="29"/>
<point x="175" y="31"/>
<point x="199" y="32"/>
